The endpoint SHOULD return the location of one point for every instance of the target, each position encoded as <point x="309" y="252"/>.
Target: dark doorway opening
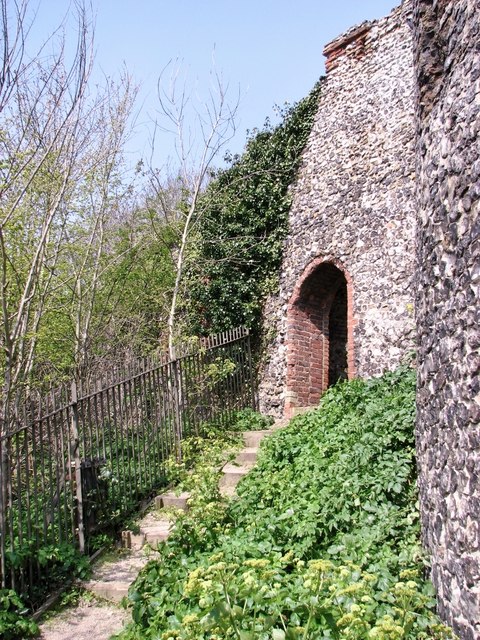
<point x="318" y="335"/>
<point x="338" y="336"/>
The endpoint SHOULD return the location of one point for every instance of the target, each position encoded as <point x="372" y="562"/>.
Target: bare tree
<point x="201" y="129"/>
<point x="41" y="104"/>
<point x="41" y="101"/>
<point x="13" y="47"/>
<point x="100" y="191"/>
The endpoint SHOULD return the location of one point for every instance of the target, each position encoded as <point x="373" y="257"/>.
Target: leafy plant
<point x="55" y="564"/>
<point x="215" y="443"/>
<point x="63" y="560"/>
<point x="249" y="420"/>
<point x="340" y="479"/>
<point x="244" y="223"/>
<point x="323" y="541"/>
<point x="14" y="625"/>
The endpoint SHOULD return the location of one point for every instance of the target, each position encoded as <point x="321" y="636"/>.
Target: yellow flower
<point x="219" y="566"/>
<point x="368" y="577"/>
<point x="355" y="587"/>
<point x="345" y="620"/>
<point x="249" y="580"/>
<point x="256" y="563"/>
<point x="388" y="626"/>
<point x="408" y="574"/>
<point x="196" y="573"/>
<point x="321" y="565"/>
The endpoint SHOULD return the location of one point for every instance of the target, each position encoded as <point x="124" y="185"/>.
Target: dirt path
<point x="89" y="620"/>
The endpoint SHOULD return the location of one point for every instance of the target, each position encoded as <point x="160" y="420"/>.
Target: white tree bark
<point x="213" y="124"/>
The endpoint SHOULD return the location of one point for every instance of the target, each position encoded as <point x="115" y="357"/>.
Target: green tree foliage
<point x="82" y="276"/>
<point x="139" y="282"/>
<point x="243" y="223"/>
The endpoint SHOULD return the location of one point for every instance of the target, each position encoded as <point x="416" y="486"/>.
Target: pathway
<point x="100" y="617"/>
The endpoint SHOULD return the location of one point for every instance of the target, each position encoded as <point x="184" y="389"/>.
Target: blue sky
<point x="270" y="49"/>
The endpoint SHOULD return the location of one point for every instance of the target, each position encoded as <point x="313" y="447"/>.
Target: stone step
<point x="233" y="473"/>
<point x="155" y="528"/>
<point x="297" y="411"/>
<point x="247" y="455"/>
<point x="171" y="499"/>
<point x="253" y="438"/>
<point x="113" y="591"/>
<point x="280" y="423"/>
<point x="134" y="541"/>
<point x="227" y="491"/>
<point x="111" y="579"/>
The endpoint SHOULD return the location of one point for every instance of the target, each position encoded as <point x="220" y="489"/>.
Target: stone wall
<point x="353" y="207"/>
<point x="447" y="59"/>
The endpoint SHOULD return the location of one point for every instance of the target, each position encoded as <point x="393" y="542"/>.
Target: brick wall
<point x="319" y="337"/>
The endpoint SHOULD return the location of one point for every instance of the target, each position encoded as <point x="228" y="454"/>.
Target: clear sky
<point x="270" y="49"/>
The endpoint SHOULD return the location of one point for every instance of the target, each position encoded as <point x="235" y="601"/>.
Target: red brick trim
<point x="307" y="335"/>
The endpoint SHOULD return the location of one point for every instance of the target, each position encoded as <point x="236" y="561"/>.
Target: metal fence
<point x="75" y="466"/>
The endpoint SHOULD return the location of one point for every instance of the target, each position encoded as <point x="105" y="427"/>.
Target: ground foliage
<point x="243" y="223"/>
<point x="14" y="625"/>
<point x="323" y="541"/>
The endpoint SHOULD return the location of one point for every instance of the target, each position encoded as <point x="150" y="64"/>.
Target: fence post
<point x="3" y="506"/>
<point x="250" y="367"/>
<point x="177" y="405"/>
<point x="75" y="452"/>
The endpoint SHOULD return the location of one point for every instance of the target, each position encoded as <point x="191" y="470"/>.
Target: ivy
<point x="243" y="224"/>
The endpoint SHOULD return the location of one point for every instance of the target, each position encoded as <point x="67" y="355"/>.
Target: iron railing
<point x="74" y="466"/>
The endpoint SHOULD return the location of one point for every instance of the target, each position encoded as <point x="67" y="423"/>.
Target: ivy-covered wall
<point x="242" y="225"/>
<point x="353" y="207"/>
<point x="447" y="64"/>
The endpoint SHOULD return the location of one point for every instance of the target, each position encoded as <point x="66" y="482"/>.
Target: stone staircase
<point x="111" y="579"/>
<point x="234" y="471"/>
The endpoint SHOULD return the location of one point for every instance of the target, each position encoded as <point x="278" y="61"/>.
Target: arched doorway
<point x="319" y="339"/>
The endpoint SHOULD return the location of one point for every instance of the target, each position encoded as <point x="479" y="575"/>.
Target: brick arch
<point x="319" y="333"/>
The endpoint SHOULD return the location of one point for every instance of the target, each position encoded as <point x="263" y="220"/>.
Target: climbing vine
<point x="243" y="225"/>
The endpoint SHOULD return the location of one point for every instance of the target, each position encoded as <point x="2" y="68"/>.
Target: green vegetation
<point x="14" y="625"/>
<point x="205" y="453"/>
<point x="323" y="541"/>
<point x="54" y="565"/>
<point x="243" y="223"/>
<point x="121" y="486"/>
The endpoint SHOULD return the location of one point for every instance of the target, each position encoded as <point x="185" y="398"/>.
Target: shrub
<point x="13" y="623"/>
